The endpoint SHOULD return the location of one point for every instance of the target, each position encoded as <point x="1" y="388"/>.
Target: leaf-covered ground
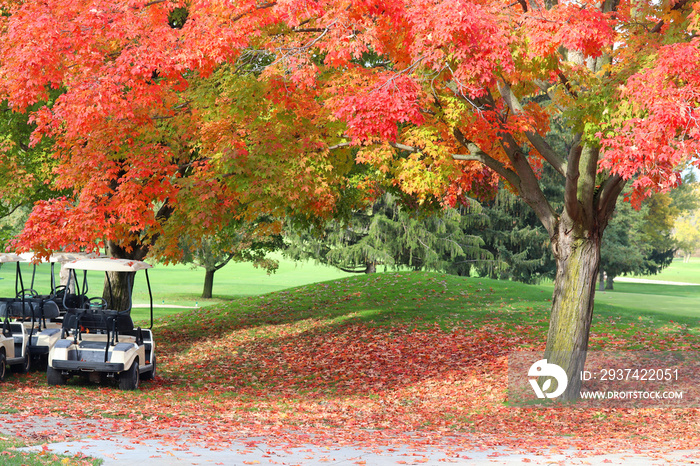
<point x="415" y="358"/>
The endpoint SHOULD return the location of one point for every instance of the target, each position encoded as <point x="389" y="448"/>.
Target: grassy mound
<point x="366" y="358"/>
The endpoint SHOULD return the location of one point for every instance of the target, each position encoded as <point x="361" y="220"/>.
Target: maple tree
<point x="141" y="164"/>
<point x="259" y="103"/>
<point x="472" y="84"/>
<point x="468" y="85"/>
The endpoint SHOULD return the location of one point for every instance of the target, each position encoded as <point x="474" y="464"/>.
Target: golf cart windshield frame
<point x="106" y="265"/>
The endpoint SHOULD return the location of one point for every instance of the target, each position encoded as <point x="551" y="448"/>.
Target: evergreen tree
<point x="625" y="248"/>
<point x="387" y="233"/>
<point x="517" y="241"/>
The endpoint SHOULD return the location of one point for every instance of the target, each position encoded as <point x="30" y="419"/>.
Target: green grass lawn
<point x="679" y="271"/>
<point x="181" y="285"/>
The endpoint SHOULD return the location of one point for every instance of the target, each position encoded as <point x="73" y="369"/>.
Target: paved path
<point x="152" y="453"/>
<point x="174" y="449"/>
<point x="652" y="282"/>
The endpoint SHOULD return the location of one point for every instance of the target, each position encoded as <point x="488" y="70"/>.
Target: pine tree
<point x="392" y="235"/>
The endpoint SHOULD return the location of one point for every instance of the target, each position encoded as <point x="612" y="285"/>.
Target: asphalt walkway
<point x="173" y="448"/>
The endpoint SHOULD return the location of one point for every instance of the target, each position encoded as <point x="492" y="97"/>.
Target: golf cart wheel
<point x="150" y="375"/>
<point x="40" y="363"/>
<point x="3" y="366"/>
<point x="26" y="364"/>
<point x="54" y="377"/>
<point x="129" y="379"/>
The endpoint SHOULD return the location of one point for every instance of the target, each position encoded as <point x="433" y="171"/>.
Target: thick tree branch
<point x="535" y="139"/>
<point x="398" y="146"/>
<point x="565" y="81"/>
<point x="571" y="205"/>
<point x="588" y="170"/>
<point x="478" y="155"/>
<point x="657" y="27"/>
<point x="530" y="190"/>
<point x="607" y="197"/>
<point x="528" y="186"/>
<point x="339" y="145"/>
<point x="222" y="264"/>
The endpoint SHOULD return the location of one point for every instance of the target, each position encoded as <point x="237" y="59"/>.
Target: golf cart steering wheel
<point x="27" y="293"/>
<point x="98" y="303"/>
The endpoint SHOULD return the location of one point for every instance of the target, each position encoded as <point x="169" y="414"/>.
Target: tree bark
<point x="577" y="252"/>
<point x="208" y="283"/>
<point x="122" y="285"/>
<point x="609" y="283"/>
<point x="119" y="299"/>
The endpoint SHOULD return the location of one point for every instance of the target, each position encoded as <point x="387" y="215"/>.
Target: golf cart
<point x="76" y="296"/>
<point x="42" y="314"/>
<point x="19" y="315"/>
<point x="103" y="343"/>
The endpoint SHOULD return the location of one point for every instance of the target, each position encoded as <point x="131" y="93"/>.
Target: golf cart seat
<point x="71" y="300"/>
<point x="95" y="321"/>
<point x="36" y="309"/>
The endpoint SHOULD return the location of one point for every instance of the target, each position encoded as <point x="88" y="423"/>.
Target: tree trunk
<point x="601" y="280"/>
<point x="208" y="283"/>
<point x="119" y="297"/>
<point x="122" y="285"/>
<point x="609" y="282"/>
<point x="578" y="261"/>
<point x="371" y="267"/>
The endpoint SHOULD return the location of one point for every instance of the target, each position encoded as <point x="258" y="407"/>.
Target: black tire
<point x="40" y="363"/>
<point x="26" y="364"/>
<point x="129" y="379"/>
<point x="150" y="375"/>
<point x="3" y="366"/>
<point x="54" y="377"/>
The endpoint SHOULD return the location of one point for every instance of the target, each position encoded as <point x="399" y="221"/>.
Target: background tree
<point x="26" y="168"/>
<point x="686" y="229"/>
<point x="687" y="234"/>
<point x="140" y="163"/>
<point x="11" y="225"/>
<point x="239" y="242"/>
<point x="391" y="234"/>
<point x="624" y="246"/>
<point x="514" y="234"/>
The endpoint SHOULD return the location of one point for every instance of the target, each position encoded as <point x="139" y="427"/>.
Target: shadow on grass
<point x="353" y="336"/>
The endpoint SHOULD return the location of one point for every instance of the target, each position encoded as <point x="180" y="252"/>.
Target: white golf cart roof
<point x="59" y="256"/>
<point x="9" y="257"/>
<point x="108" y="264"/>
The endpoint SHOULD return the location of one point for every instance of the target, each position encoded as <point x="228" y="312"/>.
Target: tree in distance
<point x="393" y="235"/>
